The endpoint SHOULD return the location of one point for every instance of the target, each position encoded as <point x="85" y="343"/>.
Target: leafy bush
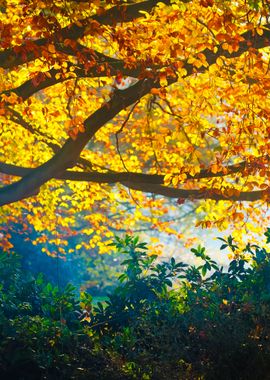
<point x="41" y="332"/>
<point x="170" y="320"/>
<point x="165" y="320"/>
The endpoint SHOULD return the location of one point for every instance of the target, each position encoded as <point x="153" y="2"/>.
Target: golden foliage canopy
<point x="76" y="151"/>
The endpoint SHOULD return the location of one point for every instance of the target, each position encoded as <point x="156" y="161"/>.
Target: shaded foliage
<point x="40" y="330"/>
<point x="214" y="324"/>
<point x="164" y="320"/>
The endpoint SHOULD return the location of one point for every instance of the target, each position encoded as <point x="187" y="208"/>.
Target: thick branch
<point x="68" y="155"/>
<point x="114" y="177"/>
<point x="120" y="13"/>
<point x="48" y="79"/>
<point x="42" y="80"/>
<point x="89" y="177"/>
<point x="199" y="194"/>
<point x="145" y="182"/>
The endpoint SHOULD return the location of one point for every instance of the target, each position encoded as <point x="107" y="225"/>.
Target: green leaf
<point x="168" y="282"/>
<point x="123" y="277"/>
<point x="136" y="239"/>
<point x="267" y="234"/>
<point x="223" y="246"/>
<point x="204" y="270"/>
<point x="219" y="238"/>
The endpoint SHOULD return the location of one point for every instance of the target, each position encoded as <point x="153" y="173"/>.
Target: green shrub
<point x="41" y="335"/>
<point x="165" y="320"/>
<point x="169" y="320"/>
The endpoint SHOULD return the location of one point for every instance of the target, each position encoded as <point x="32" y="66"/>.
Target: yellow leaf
<point x="167" y="179"/>
<point x="219" y="61"/>
<point x="175" y="181"/>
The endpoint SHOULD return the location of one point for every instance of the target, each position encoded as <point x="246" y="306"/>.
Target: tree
<point x="193" y="127"/>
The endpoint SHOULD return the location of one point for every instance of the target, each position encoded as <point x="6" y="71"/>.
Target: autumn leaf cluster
<point x="78" y="155"/>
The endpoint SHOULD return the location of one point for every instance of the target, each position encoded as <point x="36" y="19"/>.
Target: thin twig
<point x="120" y="130"/>
<point x="149" y="109"/>
<point x="71" y="98"/>
<point x="17" y="118"/>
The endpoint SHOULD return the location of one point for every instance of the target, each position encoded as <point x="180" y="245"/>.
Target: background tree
<point x="194" y="127"/>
